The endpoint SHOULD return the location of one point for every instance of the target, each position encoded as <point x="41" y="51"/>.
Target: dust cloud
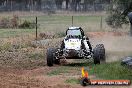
<point x="117" y="47"/>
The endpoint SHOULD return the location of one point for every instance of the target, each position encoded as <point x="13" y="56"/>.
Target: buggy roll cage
<point x="76" y="28"/>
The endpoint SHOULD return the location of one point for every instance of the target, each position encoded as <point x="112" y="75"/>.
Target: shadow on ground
<point x="80" y="64"/>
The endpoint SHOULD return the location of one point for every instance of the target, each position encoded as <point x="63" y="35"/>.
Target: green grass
<point x="72" y="81"/>
<point x="59" y="71"/>
<point x="4" y="33"/>
<point x="113" y="70"/>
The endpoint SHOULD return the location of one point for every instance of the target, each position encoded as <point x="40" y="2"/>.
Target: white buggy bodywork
<point x="75" y="44"/>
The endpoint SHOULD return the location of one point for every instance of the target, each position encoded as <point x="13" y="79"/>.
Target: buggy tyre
<point x="50" y="56"/>
<point x="99" y="54"/>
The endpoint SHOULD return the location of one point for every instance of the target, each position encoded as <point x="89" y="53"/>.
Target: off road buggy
<point x="75" y="46"/>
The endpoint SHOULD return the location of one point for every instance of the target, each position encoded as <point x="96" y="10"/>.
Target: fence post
<point x="36" y="28"/>
<point x="101" y="24"/>
<point x="72" y="21"/>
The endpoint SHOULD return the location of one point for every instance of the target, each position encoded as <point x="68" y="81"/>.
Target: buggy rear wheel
<point x="99" y="54"/>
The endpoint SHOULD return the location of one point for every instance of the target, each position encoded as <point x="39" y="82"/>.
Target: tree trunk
<point x="85" y="5"/>
<point x="67" y="2"/>
<point x="131" y="29"/>
<point x="39" y="4"/>
<point x="58" y="4"/>
<point x="130" y="19"/>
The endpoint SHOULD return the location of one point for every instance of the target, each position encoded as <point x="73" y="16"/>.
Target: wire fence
<point x="16" y="15"/>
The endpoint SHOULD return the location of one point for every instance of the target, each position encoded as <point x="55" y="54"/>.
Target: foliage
<point x="9" y="23"/>
<point x="49" y="6"/>
<point x="4" y="23"/>
<point x="116" y="20"/>
<point x="118" y="11"/>
<point x="14" y="23"/>
<point x="27" y="24"/>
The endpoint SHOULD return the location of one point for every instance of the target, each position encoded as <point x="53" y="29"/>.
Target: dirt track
<point x="116" y="47"/>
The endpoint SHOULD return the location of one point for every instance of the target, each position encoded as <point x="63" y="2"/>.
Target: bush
<point x="27" y="24"/>
<point x="4" y="23"/>
<point x="118" y="11"/>
<point x="44" y="35"/>
<point x="14" y="23"/>
<point x="9" y="23"/>
<point x="116" y="21"/>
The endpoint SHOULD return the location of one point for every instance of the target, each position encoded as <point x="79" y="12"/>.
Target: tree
<point x="67" y="2"/>
<point x="59" y="3"/>
<point x="1" y="1"/>
<point x="118" y="12"/>
<point x="86" y="2"/>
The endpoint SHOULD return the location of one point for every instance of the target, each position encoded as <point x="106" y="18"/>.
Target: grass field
<point x="60" y="23"/>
